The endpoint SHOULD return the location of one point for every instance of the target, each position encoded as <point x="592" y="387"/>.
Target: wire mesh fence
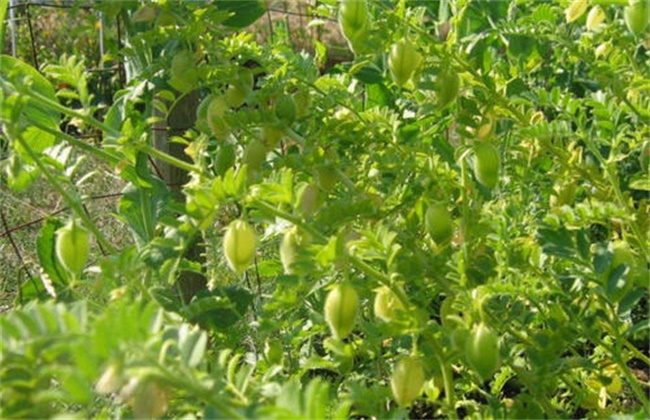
<point x="40" y="32"/>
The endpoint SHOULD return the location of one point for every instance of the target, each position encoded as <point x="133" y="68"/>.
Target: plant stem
<point x="295" y="137"/>
<point x="633" y="382"/>
<point x="616" y="352"/>
<point x="44" y="100"/>
<point x="171" y="160"/>
<point x="101" y="154"/>
<point x="448" y="382"/>
<point x="645" y="359"/>
<point x="346" y="180"/>
<point x="465" y="220"/>
<point x="290" y="218"/>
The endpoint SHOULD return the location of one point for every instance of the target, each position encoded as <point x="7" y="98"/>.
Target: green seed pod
<point x="403" y="59"/>
<point x="202" y="109"/>
<point x="289" y="250"/>
<point x="165" y="18"/>
<point x="216" y="110"/>
<point x="326" y="177"/>
<point x="225" y="158"/>
<point x="486" y="164"/>
<point x="387" y="304"/>
<point x="309" y="200"/>
<point x="145" y="14"/>
<point x="235" y="97"/>
<point x="447" y="312"/>
<point x="459" y="338"/>
<point x="273" y="351"/>
<point x="439" y="223"/>
<point x="407" y="380"/>
<point x="184" y="72"/>
<point x="595" y="17"/>
<point x="622" y="254"/>
<point x="239" y="245"/>
<point x="447" y="86"/>
<point x="182" y="63"/>
<point x="245" y="80"/>
<point x="272" y="134"/>
<point x="353" y="18"/>
<point x="576" y="9"/>
<point x="72" y="247"/>
<point x="482" y="351"/>
<point x="255" y="155"/>
<point x="637" y="15"/>
<point x="111" y="379"/>
<point x="341" y="306"/>
<point x="149" y="400"/>
<point x="303" y="101"/>
<point x="486" y="129"/>
<point x="240" y="88"/>
<point x="285" y="109"/>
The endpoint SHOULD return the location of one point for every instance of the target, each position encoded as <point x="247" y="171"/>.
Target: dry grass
<point x="24" y="213"/>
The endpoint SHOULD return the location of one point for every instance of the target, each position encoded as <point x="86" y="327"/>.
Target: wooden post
<point x="180" y="118"/>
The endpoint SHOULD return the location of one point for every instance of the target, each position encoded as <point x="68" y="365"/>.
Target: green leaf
<point x="316" y="399"/>
<point x="18" y="73"/>
<point x="141" y="208"/>
<point x="32" y="290"/>
<point x="220" y="308"/>
<point x="602" y="259"/>
<point x="642" y="184"/>
<point x="114" y="118"/>
<point x="166" y="298"/>
<point x="22" y="114"/>
<point x="192" y="342"/>
<point x="378" y="95"/>
<point x="516" y="87"/>
<point x="45" y="249"/>
<point x="616" y="282"/>
<point x="244" y="12"/>
<point x="368" y="73"/>
<point x="443" y="11"/>
<point x="583" y="244"/>
<point x="3" y="12"/>
<point x="639" y="326"/>
<point x="558" y="242"/>
<point x="30" y="324"/>
<point x="520" y="45"/>
<point x="78" y="388"/>
<point x="630" y="300"/>
<point x="289" y="397"/>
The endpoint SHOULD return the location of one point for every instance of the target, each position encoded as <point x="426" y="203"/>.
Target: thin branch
<point x="51" y="5"/>
<point x="31" y="36"/>
<point x="14" y="246"/>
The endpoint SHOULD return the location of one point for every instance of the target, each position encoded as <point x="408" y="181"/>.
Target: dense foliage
<point x="453" y="223"/>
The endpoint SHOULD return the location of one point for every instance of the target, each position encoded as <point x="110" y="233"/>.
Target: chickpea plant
<point x="445" y="216"/>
